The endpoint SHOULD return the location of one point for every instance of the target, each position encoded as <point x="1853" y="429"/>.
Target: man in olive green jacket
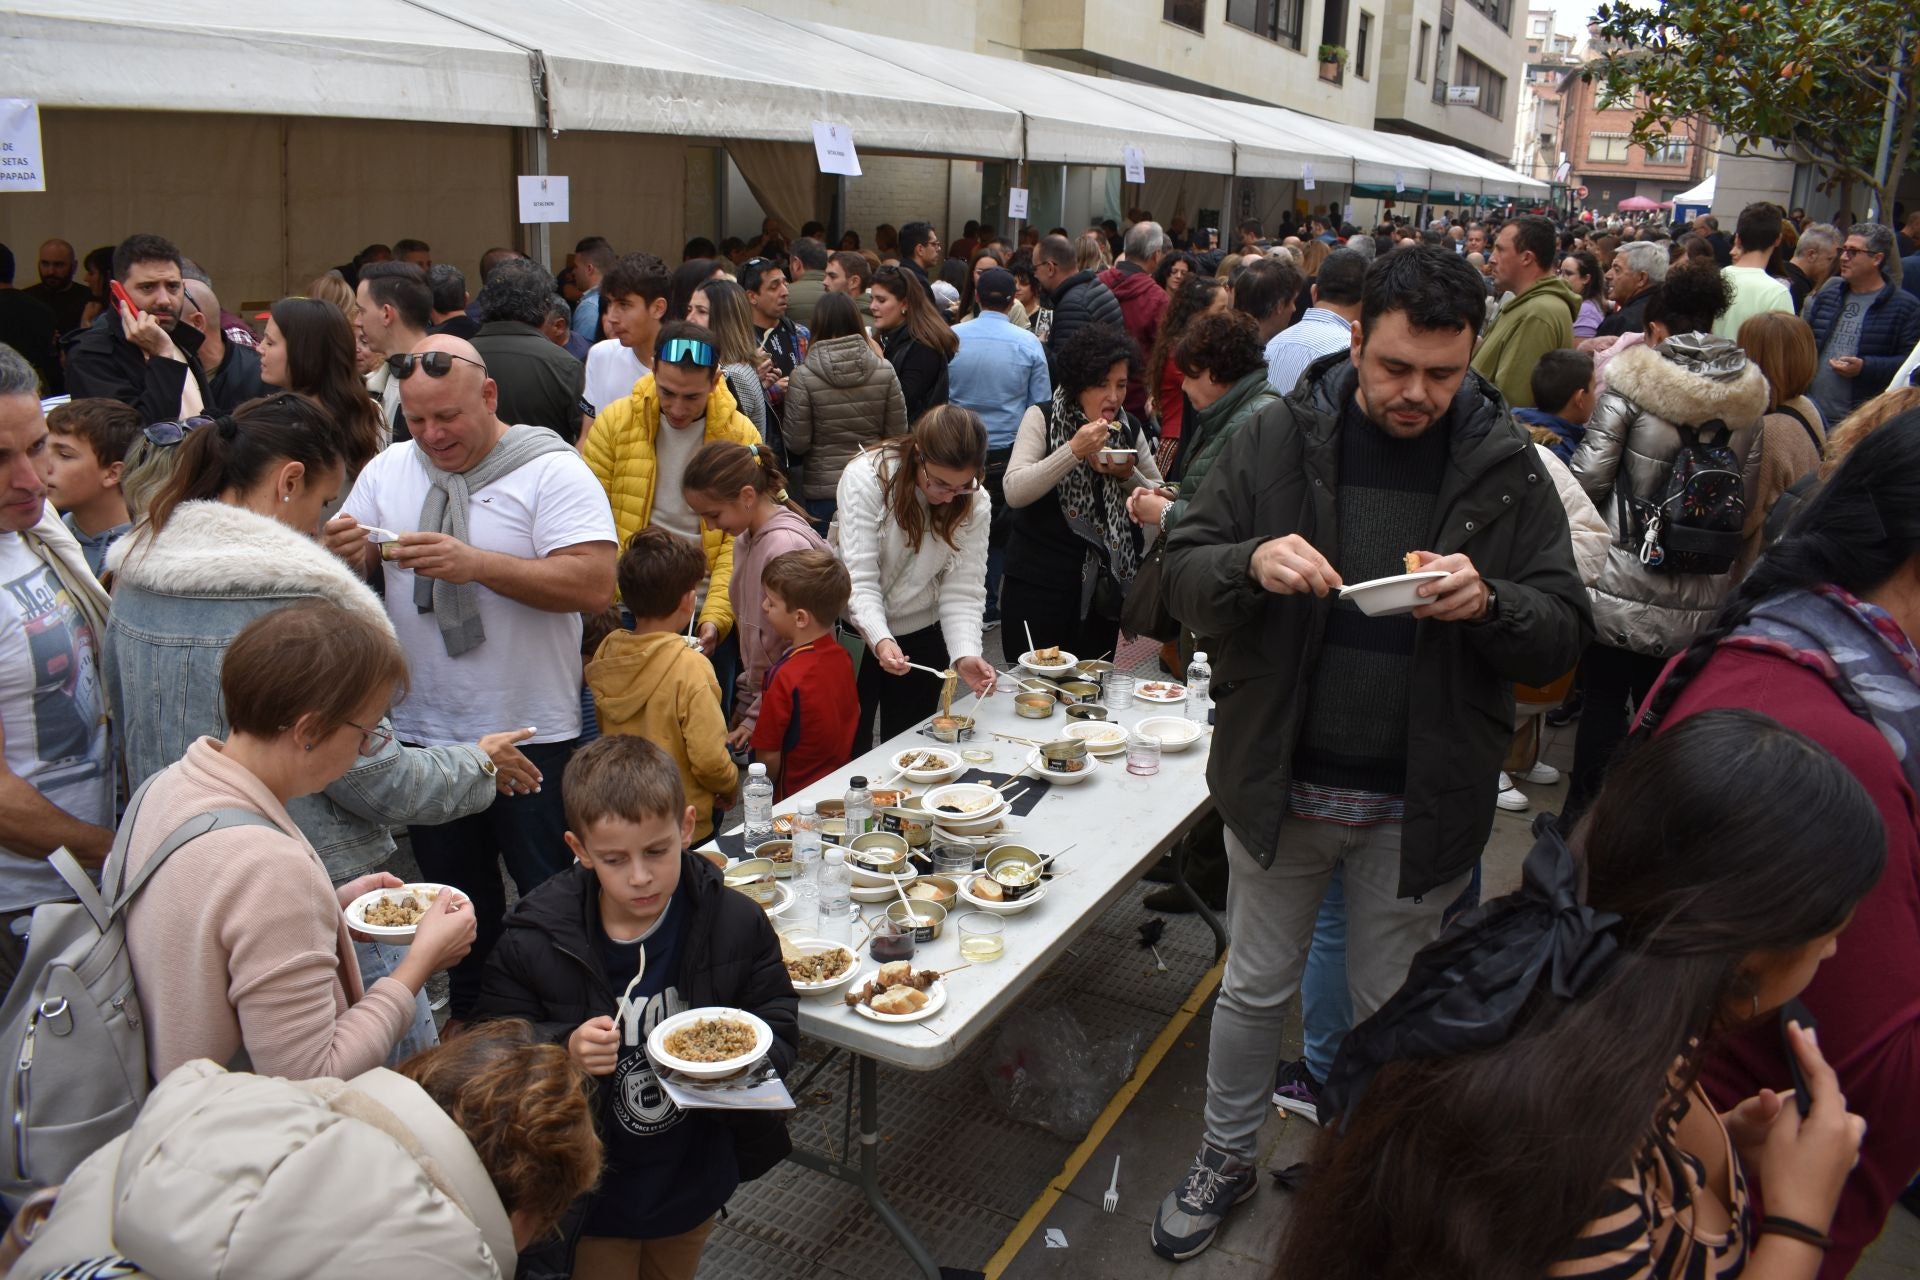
<point x="1538" y="318"/>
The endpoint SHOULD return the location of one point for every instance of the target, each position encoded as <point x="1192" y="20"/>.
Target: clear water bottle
<point x="805" y="911"/>
<point x="859" y="808"/>
<point x="836" y="897"/>
<point x="1199" y="688"/>
<point x="757" y="798"/>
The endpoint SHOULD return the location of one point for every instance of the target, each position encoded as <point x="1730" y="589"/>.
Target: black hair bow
<point x="1466" y="990"/>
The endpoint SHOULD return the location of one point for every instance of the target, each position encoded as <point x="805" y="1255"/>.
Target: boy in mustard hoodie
<point x="651" y="683"/>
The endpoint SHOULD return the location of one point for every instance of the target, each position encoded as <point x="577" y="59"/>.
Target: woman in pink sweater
<point x="239" y="945"/>
<point x="740" y="490"/>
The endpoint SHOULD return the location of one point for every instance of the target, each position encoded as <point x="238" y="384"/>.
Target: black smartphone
<point x="1794" y="1011"/>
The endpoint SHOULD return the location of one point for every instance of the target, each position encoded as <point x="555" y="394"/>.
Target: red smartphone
<point x="121" y="296"/>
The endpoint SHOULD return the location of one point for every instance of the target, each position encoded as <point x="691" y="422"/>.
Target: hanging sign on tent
<point x="1399" y="182"/>
<point x="1017" y="202"/>
<point x="1306" y="176"/>
<point x="1136" y="162"/>
<point x="543" y="198"/>
<point x="833" y="145"/>
<point x="21" y="166"/>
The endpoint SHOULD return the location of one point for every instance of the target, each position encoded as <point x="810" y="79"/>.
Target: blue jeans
<point x="528" y="833"/>
<point x="820" y="511"/>
<point x="377" y="960"/>
<point x="726" y="669"/>
<point x="1326" y="1006"/>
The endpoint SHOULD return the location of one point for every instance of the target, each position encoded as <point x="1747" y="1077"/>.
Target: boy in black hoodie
<point x="573" y="947"/>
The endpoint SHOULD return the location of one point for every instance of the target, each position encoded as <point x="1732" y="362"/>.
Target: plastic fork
<point x="1111" y="1201"/>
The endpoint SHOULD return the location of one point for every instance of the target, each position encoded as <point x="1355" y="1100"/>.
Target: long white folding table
<point x="1117" y="824"/>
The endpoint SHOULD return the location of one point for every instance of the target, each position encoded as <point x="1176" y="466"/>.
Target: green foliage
<point x="1333" y="53"/>
<point x="1809" y="75"/>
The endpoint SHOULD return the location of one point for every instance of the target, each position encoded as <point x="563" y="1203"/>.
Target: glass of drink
<point x="1143" y="754"/>
<point x="981" y="937"/>
<point x="1119" y="694"/>
<point x="892" y="940"/>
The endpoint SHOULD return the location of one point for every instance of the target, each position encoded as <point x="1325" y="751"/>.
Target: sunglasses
<point x="688" y="351"/>
<point x="167" y="434"/>
<point x="438" y="364"/>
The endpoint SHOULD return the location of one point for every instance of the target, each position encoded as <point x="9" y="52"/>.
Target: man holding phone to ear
<point x="138" y="352"/>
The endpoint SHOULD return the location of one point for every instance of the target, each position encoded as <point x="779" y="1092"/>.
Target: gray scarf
<point x="456" y="607"/>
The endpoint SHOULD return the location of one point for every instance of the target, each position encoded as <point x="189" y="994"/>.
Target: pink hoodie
<point x="760" y="644"/>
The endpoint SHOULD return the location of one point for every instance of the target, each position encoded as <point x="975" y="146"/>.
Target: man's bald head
<point x="451" y="416"/>
<point x="203" y="313"/>
<point x="57" y="263"/>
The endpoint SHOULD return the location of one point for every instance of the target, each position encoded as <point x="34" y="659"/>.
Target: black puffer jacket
<point x="101" y="362"/>
<point x="546" y="969"/>
<point x="1081" y="300"/>
<point x="1496" y="504"/>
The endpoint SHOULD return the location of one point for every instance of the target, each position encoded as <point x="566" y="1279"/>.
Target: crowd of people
<point x="530" y="574"/>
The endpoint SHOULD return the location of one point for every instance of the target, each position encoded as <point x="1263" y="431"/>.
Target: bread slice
<point x="899" y="1000"/>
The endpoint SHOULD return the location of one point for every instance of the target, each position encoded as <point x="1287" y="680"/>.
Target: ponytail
<point x="235" y="451"/>
<point x="721" y="469"/>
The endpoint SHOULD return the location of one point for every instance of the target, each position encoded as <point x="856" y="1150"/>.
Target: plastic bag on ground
<point x="1045" y="1071"/>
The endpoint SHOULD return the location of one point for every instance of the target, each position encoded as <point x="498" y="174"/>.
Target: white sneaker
<point x="1542" y="775"/>
<point x="1510" y="797"/>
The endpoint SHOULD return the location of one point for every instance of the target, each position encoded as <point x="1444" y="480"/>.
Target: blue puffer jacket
<point x="1888" y="333"/>
<point x="179" y="600"/>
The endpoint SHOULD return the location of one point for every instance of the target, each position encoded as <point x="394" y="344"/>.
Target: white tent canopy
<point x="1701" y="196"/>
<point x="358" y="59"/>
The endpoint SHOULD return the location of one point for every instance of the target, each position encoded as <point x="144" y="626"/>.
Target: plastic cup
<point x="982" y="937"/>
<point x="1119" y="690"/>
<point x="1143" y="754"/>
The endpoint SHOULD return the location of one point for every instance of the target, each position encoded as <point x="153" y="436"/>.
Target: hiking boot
<point x="1191" y="1215"/>
<point x="1297" y="1092"/>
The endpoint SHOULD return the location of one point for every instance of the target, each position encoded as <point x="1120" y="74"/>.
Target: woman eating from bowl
<point x="239" y="941"/>
<point x="1073" y="549"/>
<point x="913" y="532"/>
<point x="1554" y="1041"/>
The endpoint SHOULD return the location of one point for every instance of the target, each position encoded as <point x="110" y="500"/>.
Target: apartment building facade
<point x="1596" y="131"/>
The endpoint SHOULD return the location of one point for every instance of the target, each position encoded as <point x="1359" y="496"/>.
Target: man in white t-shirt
<point x="633" y="302"/>
<point x="489" y="617"/>
<point x="56" y="787"/>
<point x="1754" y="291"/>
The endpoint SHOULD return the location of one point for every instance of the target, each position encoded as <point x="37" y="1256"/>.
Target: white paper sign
<point x="833" y="146"/>
<point x="1399" y="181"/>
<point x="1017" y="202"/>
<point x="1348" y="216"/>
<point x="543" y="198"/>
<point x="1306" y="176"/>
<point x="21" y="167"/>
<point x="1136" y="163"/>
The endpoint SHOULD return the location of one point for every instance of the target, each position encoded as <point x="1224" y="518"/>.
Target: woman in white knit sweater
<point x="913" y="533"/>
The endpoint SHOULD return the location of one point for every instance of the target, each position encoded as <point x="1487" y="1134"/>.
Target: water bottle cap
<point x="756" y="771"/>
<point x="834" y="856"/>
<point x="1199" y="655"/>
<point x="806" y="807"/>
<point x="859" y="783"/>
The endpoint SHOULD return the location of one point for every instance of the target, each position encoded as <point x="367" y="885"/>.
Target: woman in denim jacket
<point x="217" y="550"/>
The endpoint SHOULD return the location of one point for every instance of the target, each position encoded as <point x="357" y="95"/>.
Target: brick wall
<point x="897" y="189"/>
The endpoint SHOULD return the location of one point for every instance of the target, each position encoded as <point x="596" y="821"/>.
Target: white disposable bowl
<point x="998" y="908"/>
<point x="922" y="777"/>
<point x="818" y="946"/>
<point x="1067" y="663"/>
<point x="1093" y="731"/>
<point x="1388" y="597"/>
<point x="656" y="1043"/>
<point x="1038" y="767"/>
<point x="957" y="792"/>
<point x="1175" y="732"/>
<point x="357" y="911"/>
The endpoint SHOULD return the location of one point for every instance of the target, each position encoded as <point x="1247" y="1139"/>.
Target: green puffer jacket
<point x="1210" y="429"/>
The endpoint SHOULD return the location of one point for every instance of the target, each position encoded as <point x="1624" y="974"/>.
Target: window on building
<point x="1420" y="59"/>
<point x="1362" y="43"/>
<point x="1607" y="147"/>
<point x="1491" y="84"/>
<point x="1191" y="14"/>
<point x="1672" y="151"/>
<point x="1539" y="26"/>
<point x="1443" y="47"/>
<point x="1274" y="19"/>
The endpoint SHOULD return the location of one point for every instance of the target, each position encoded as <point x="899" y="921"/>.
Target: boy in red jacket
<point x="810" y="708"/>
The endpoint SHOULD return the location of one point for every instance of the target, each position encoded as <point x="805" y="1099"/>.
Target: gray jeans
<point x="1270" y="916"/>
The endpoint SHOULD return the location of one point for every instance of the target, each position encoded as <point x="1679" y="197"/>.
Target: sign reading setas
<point x="21" y="164"/>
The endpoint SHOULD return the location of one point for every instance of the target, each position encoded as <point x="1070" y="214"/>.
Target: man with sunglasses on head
<point x="505" y="539"/>
<point x="396" y="311"/>
<point x="639" y="449"/>
<point x="141" y="354"/>
<point x="1864" y="323"/>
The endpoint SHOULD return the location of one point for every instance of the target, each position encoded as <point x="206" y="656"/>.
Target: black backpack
<point x="1693" y="522"/>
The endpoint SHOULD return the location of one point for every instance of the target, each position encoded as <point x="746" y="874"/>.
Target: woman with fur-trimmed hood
<point x="1681" y="376"/>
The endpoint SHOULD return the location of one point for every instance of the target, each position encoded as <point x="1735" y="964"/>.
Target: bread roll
<point x="987" y="889"/>
<point x="895" y="974"/>
<point x="898" y="1000"/>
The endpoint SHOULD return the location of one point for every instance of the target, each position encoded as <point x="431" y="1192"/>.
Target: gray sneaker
<point x="1191" y="1215"/>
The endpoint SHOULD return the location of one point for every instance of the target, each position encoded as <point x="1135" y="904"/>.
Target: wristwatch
<point x="1493" y="605"/>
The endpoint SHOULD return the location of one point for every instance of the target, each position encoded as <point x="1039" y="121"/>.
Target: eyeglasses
<point x="168" y="434"/>
<point x="937" y="485"/>
<point x="372" y="741"/>
<point x="438" y="364"/>
<point x="687" y="351"/>
<point x="1848" y="250"/>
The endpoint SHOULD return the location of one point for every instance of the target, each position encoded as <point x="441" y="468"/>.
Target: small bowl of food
<point x="718" y="857"/>
<point x="985" y="894"/>
<point x="909" y="818"/>
<point x="393" y="915"/>
<point x="1176" y="733"/>
<point x="879" y="853"/>
<point x="1092" y="668"/>
<point x="753" y="877"/>
<point x="1033" y="706"/>
<point x="1101" y="737"/>
<point x="1015" y="869"/>
<point x="926" y="919"/>
<point x="1086" y="711"/>
<point x="779" y="853"/>
<point x="964" y="802"/>
<point x="709" y="1044"/>
<point x="1066" y="761"/>
<point x="817" y="966"/>
<point x="1052" y="661"/>
<point x="783" y="824"/>
<point x="939" y="890"/>
<point x="836" y="808"/>
<point x="1114" y="457"/>
<point x="950" y="728"/>
<point x="887" y="798"/>
<point x="923" y="766"/>
<point x="1079" y="691"/>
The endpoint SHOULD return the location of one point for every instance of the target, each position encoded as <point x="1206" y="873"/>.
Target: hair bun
<point x="226" y="426"/>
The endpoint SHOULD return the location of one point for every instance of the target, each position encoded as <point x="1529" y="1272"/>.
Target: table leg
<point x="867" y="1175"/>
<point x="1213" y="921"/>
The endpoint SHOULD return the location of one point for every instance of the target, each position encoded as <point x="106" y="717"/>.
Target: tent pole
<point x="539" y="234"/>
